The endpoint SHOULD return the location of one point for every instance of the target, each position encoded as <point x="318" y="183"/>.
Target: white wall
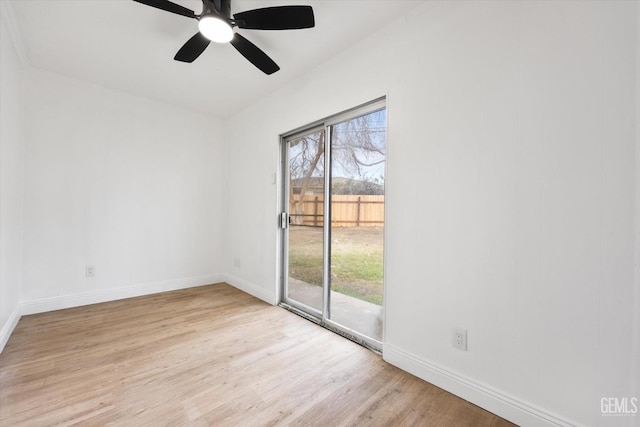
<point x="128" y="185"/>
<point x="510" y="197"/>
<point x="11" y="182"/>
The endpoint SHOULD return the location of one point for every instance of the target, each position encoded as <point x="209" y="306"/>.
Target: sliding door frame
<point x="322" y="317"/>
<point x="285" y="222"/>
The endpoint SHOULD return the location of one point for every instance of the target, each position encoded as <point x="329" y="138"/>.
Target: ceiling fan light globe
<point x="215" y="29"/>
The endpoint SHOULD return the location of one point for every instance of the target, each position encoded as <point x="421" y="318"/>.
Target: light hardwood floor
<point x="207" y="356"/>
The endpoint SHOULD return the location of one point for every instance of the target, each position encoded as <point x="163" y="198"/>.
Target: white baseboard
<point x="251" y="289"/>
<point x="77" y="300"/>
<point x="9" y="326"/>
<point x="494" y="401"/>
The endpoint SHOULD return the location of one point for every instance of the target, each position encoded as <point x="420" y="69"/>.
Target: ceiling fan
<point x="215" y="24"/>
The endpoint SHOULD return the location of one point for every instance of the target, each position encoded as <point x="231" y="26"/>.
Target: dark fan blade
<point x="193" y="48"/>
<point x="169" y="7"/>
<point x="253" y="53"/>
<point x="276" y="18"/>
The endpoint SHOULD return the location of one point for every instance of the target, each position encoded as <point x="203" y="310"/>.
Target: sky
<point x="358" y="147"/>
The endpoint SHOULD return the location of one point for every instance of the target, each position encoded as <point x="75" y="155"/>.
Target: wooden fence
<point x="346" y="210"/>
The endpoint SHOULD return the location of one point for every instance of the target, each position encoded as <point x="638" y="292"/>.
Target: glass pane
<point x="306" y="207"/>
<point x="358" y="149"/>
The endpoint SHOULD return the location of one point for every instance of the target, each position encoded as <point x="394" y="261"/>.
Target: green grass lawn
<point x="356" y="261"/>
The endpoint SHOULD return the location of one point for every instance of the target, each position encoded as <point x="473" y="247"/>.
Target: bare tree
<point x="359" y="143"/>
<point x="356" y="145"/>
<point x="306" y="161"/>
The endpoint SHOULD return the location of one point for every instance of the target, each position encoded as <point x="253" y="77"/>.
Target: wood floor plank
<point x="205" y="356"/>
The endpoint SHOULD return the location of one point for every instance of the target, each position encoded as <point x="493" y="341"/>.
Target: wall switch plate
<point x="90" y="271"/>
<point x="460" y="339"/>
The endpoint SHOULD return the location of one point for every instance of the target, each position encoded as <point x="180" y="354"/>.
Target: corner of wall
<point x="226" y="262"/>
<point x="14" y="63"/>
<point x="9" y="326"/>
<point x="252" y="289"/>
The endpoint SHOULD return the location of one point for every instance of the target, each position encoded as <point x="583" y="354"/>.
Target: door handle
<point x="284" y="220"/>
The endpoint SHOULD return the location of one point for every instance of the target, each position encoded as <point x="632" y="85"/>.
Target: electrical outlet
<point x="90" y="271"/>
<point x="460" y="339"/>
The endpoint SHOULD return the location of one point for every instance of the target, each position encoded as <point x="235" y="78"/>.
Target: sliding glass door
<point x="304" y="219"/>
<point x="333" y="222"/>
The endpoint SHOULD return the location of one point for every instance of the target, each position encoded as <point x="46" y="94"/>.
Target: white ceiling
<point x="129" y="46"/>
